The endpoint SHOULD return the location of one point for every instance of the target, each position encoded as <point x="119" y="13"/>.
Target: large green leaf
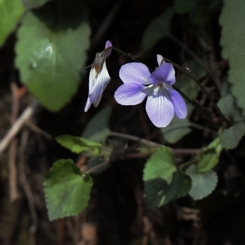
<point x="232" y="40"/>
<point x="29" y="4"/>
<point x="67" y="189"/>
<point x="157" y="29"/>
<point x="163" y="180"/>
<point x="202" y="183"/>
<point x="10" y="14"/>
<point x="51" y="53"/>
<point x="79" y="145"/>
<point x="97" y="128"/>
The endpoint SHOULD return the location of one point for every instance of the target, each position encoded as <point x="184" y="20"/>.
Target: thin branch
<point x="105" y="25"/>
<point x="13" y="190"/>
<point x="191" y="53"/>
<point x="135" y="138"/>
<point x="25" y="116"/>
<point x="27" y="188"/>
<point x="192" y="76"/>
<point x="154" y="144"/>
<point x="91" y="170"/>
<point x="38" y="130"/>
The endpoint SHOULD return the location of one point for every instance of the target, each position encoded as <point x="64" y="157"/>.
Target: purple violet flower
<point x="99" y="77"/>
<point x="162" y="100"/>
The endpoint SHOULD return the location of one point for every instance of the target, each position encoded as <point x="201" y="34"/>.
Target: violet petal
<point x="107" y="45"/>
<point x="165" y="73"/>
<point x="129" y="94"/>
<point x="179" y="104"/>
<point x="100" y="82"/>
<point x="134" y="72"/>
<point x="159" y="109"/>
<point x="88" y="104"/>
<point x="160" y="59"/>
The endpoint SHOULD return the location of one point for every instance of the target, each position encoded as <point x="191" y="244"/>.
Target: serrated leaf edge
<point x="48" y="203"/>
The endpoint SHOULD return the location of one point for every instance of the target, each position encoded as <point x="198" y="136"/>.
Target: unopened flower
<point x="98" y="77"/>
<point x="162" y="100"/>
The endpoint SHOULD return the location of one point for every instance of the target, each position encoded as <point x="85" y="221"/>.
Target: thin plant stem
<point x="191" y="53"/>
<point x="197" y="126"/>
<point x="197" y="106"/>
<point x="153" y="144"/>
<point x="135" y="138"/>
<point x="191" y="75"/>
<point x="197" y="58"/>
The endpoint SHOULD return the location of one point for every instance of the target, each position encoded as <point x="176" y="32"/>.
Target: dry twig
<point x="25" y="116"/>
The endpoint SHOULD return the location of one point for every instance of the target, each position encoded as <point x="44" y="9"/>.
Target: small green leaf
<point x="163" y="180"/>
<point x="231" y="136"/>
<point x="79" y="145"/>
<point x="177" y="129"/>
<point x="97" y="128"/>
<point x="11" y="12"/>
<point x="229" y="108"/>
<point x="232" y="40"/>
<point x="202" y="183"/>
<point x="67" y="189"/>
<point x="209" y="158"/>
<point x="184" y="6"/>
<point x="51" y="52"/>
<point x="29" y="4"/>
<point x="157" y="29"/>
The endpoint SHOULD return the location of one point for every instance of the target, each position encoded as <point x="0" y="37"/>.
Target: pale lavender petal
<point x="160" y="59"/>
<point x="99" y="85"/>
<point x="135" y="72"/>
<point x="107" y="45"/>
<point x="165" y="73"/>
<point x="88" y="104"/>
<point x="179" y="104"/>
<point x="129" y="94"/>
<point x="160" y="109"/>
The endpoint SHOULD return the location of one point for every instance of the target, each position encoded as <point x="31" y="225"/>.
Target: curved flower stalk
<point x="162" y="100"/>
<point x="99" y="77"/>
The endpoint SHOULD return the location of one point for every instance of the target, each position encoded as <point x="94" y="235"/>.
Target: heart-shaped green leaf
<point x="202" y="183"/>
<point x="163" y="180"/>
<point x="67" y="189"/>
<point x="51" y="52"/>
